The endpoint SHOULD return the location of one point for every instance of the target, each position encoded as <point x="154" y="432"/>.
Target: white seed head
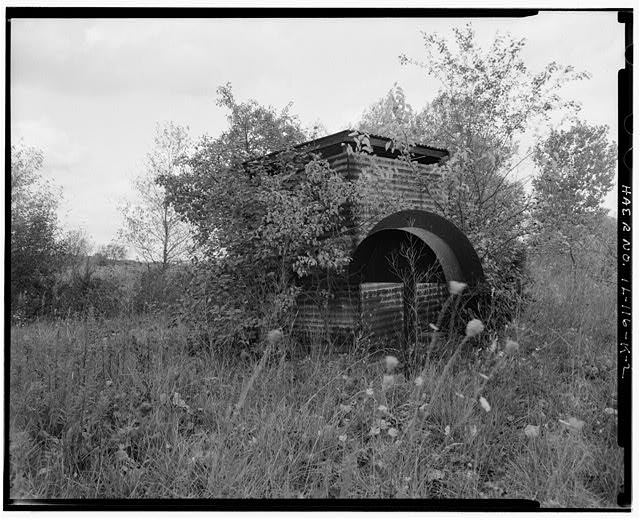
<point x="485" y="404"/>
<point x="457" y="287"/>
<point x="575" y="424"/>
<point x="419" y="381"/>
<point x="391" y="362"/>
<point x="474" y="327"/>
<point x="531" y="431"/>
<point x="387" y="381"/>
<point x="274" y="336"/>
<point x="511" y="347"/>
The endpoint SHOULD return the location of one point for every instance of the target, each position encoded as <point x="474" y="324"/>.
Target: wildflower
<point x="345" y="408"/>
<point x="435" y="474"/>
<point x="392" y="432"/>
<point x="419" y="381"/>
<point x="531" y="431"/>
<point x="178" y="401"/>
<point x="573" y="423"/>
<point x="609" y="411"/>
<point x="511" y="347"/>
<point x="383" y="424"/>
<point x="342" y="438"/>
<point x="447" y="430"/>
<point x="494" y="345"/>
<point x="387" y="381"/>
<point x="485" y="404"/>
<point x="121" y="454"/>
<point x="473" y="430"/>
<point x="108" y="382"/>
<point x="474" y="327"/>
<point x="382" y="408"/>
<point x="369" y="391"/>
<point x="391" y="362"/>
<point x="274" y="336"/>
<point x="375" y="430"/>
<point x="456" y="287"/>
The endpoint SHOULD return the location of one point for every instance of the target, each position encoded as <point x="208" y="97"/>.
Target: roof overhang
<point x="337" y="143"/>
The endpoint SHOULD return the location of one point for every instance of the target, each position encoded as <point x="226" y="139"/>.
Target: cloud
<point x="60" y="151"/>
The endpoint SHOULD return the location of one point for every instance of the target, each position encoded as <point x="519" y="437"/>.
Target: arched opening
<point x="403" y="267"/>
<point x="388" y="255"/>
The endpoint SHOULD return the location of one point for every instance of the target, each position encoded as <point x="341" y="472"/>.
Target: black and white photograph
<point x="322" y="258"/>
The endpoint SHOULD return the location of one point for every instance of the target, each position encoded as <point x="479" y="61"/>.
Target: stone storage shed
<point x="375" y="295"/>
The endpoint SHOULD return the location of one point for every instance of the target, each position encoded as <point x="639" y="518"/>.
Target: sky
<point x="90" y="92"/>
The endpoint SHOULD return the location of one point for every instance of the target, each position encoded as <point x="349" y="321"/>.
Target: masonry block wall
<point x="406" y="186"/>
<point x="382" y="309"/>
<point x="430" y="298"/>
<point x="396" y="185"/>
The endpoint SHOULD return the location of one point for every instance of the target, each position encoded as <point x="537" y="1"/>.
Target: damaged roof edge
<point x="335" y="143"/>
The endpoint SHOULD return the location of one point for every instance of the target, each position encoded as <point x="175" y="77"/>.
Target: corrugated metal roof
<point x="336" y="143"/>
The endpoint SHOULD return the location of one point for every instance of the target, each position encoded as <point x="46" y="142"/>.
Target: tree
<point x="266" y="228"/>
<point x="487" y="100"/>
<point x="254" y="130"/>
<point x="112" y="252"/>
<point x="215" y="194"/>
<point x="36" y="251"/>
<point x="392" y="117"/>
<point x="576" y="170"/>
<point x="151" y="225"/>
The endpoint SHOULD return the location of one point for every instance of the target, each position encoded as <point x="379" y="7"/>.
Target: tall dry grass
<point x="125" y="408"/>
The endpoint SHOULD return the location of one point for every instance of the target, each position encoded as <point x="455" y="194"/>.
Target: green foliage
<point x="111" y="252"/>
<point x="36" y="252"/>
<point x="288" y="214"/>
<point x="151" y="225"/>
<point x="487" y="100"/>
<point x="576" y="171"/>
<point x="120" y="409"/>
<point x="393" y="117"/>
<point x="254" y="130"/>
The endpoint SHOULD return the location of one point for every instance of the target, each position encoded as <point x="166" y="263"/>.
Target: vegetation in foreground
<point x="108" y="406"/>
<point x="133" y="408"/>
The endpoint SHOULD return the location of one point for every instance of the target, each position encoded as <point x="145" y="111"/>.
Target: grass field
<point x="125" y="408"/>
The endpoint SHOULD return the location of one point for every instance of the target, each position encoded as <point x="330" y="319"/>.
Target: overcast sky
<point x="89" y="93"/>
